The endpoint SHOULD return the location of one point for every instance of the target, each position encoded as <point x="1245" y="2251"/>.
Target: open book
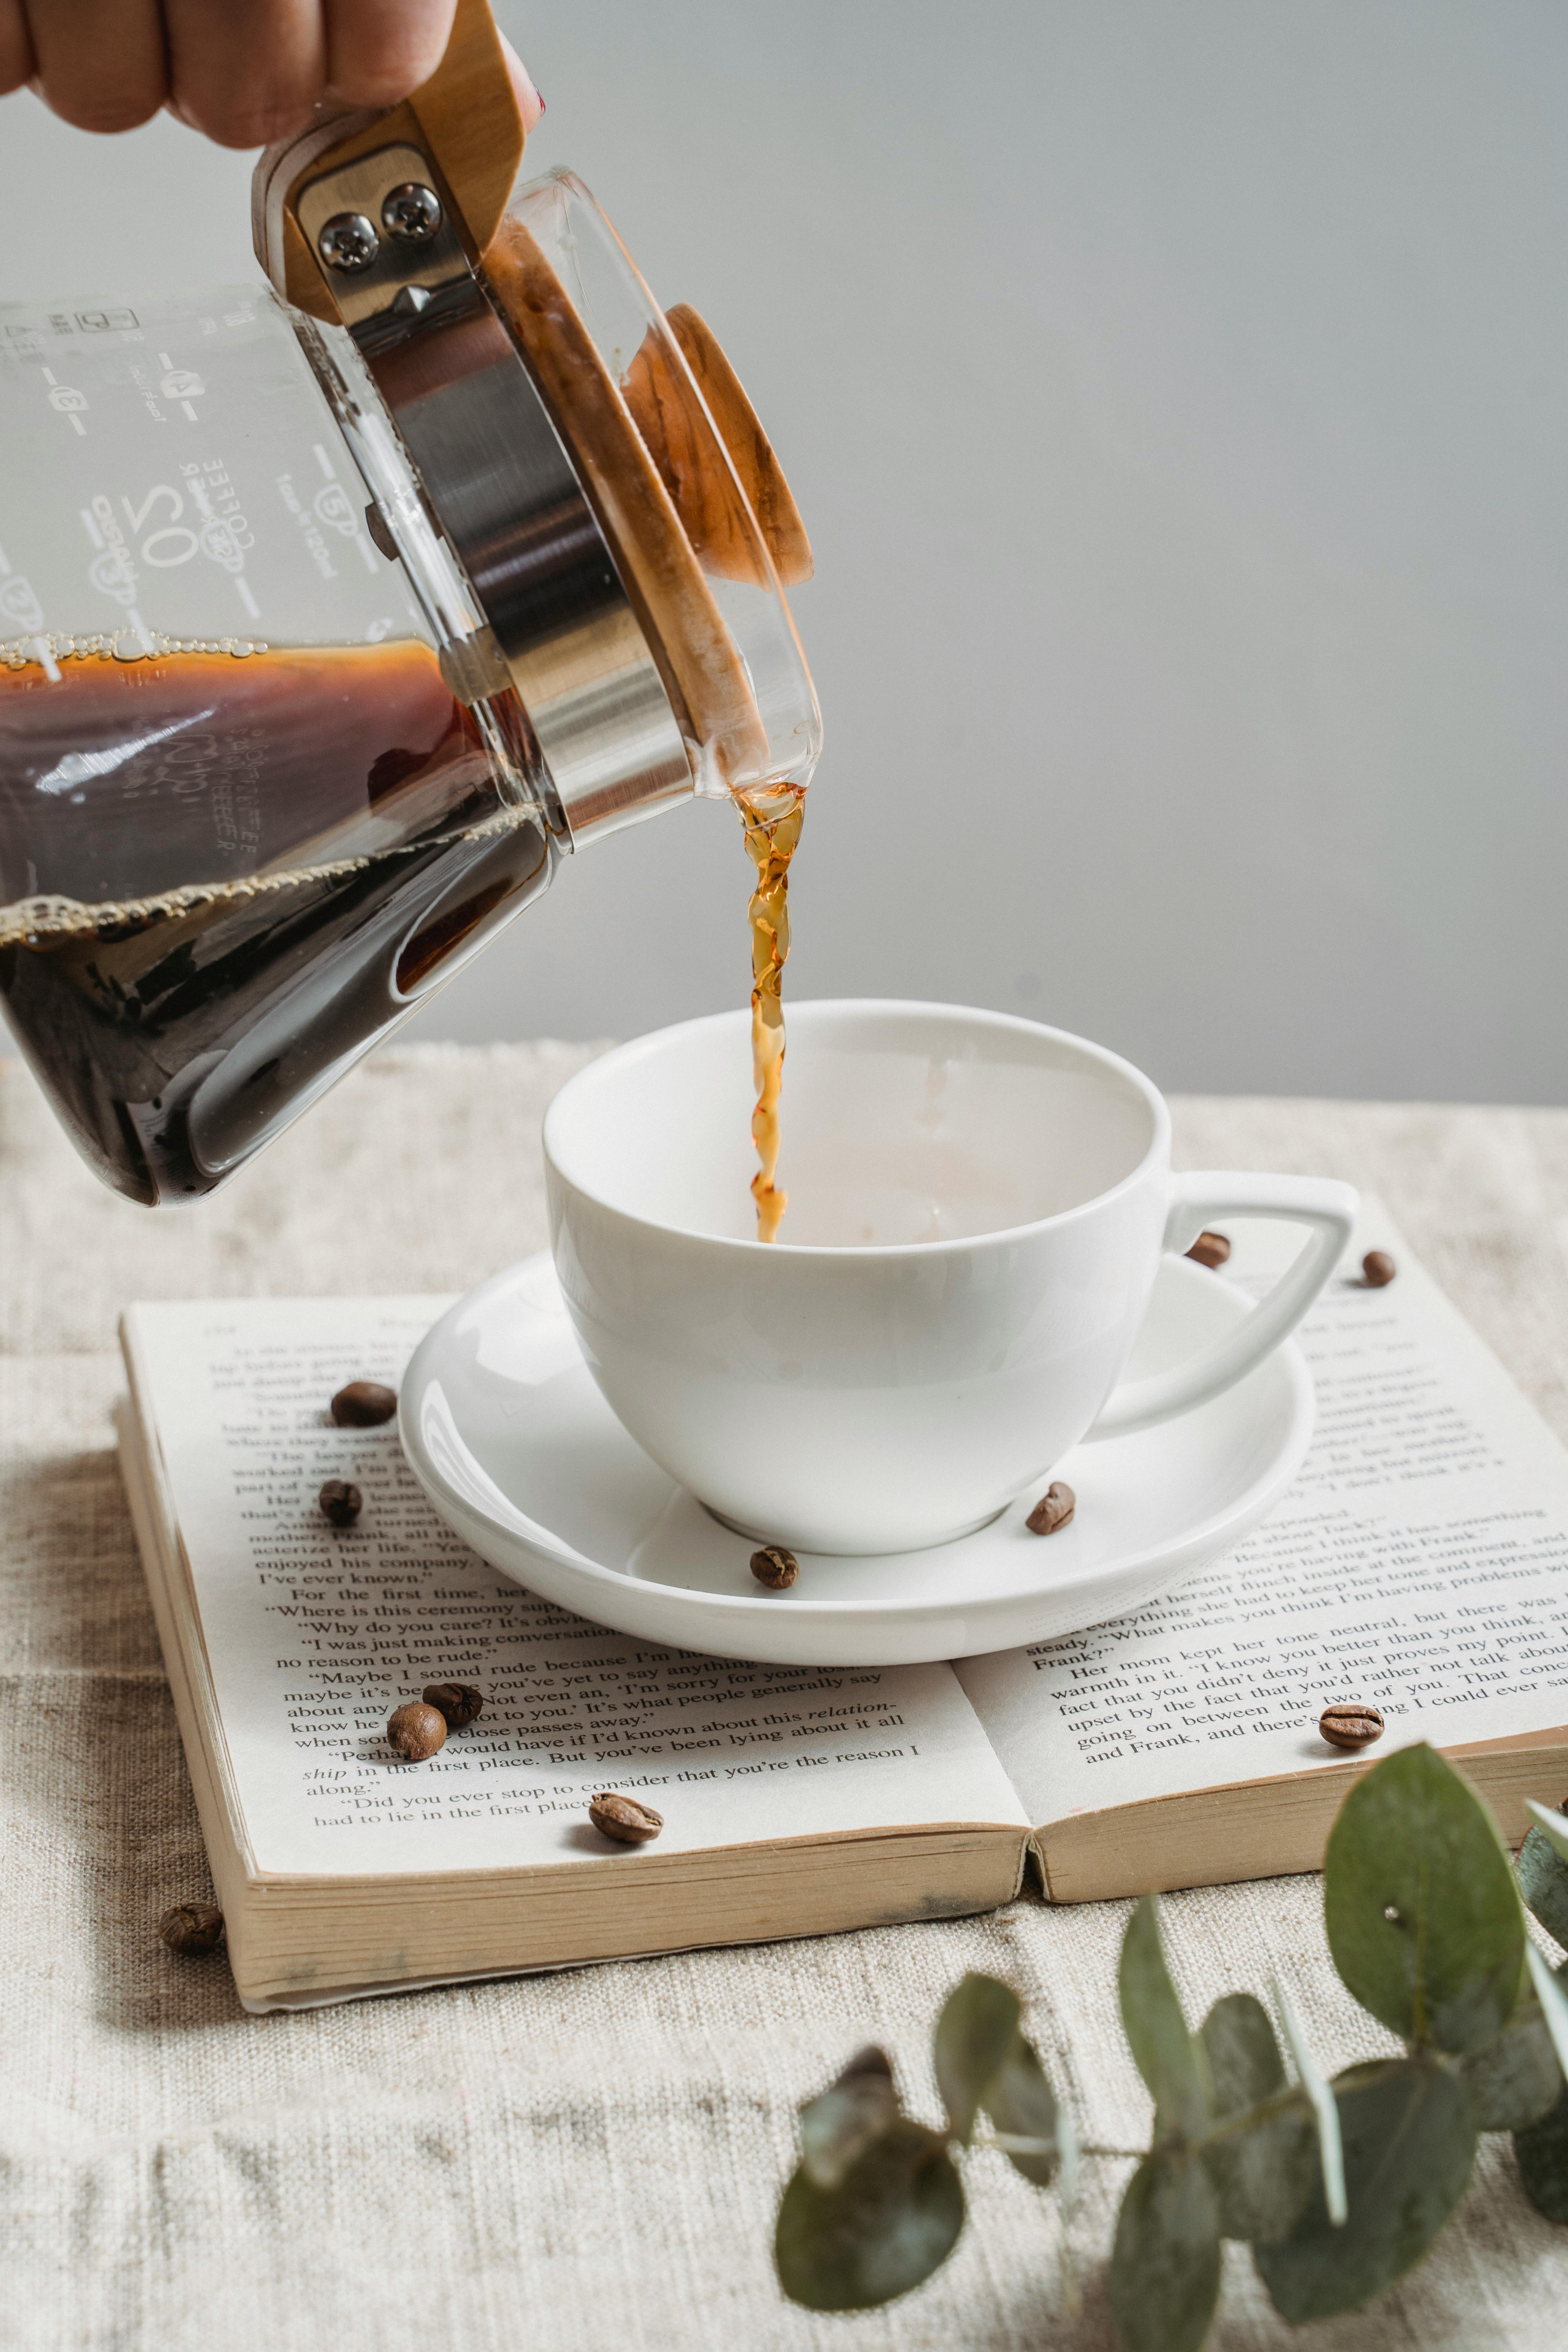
<point x="1420" y="1564"/>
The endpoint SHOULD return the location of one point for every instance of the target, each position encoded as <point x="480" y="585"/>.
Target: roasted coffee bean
<point x="1377" y="1268"/>
<point x="192" y="1929"/>
<point x="1210" y="1249"/>
<point x="775" y="1568"/>
<point x="623" y="1819"/>
<point x="364" y="1404"/>
<point x="1350" y="1726"/>
<point x="1054" y="1510"/>
<point x="416" y="1731"/>
<point x="459" y="1703"/>
<point x="340" y="1502"/>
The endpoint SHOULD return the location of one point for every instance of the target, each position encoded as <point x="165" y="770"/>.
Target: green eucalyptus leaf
<point x="1263" y="2168"/>
<point x="1163" y="2280"/>
<point x="975" y="2034"/>
<point x="1553" y="1825"/>
<point x="1409" y="2142"/>
<point x="892" y="2220"/>
<point x="1549" y="1992"/>
<point x="1020" y="2102"/>
<point x="836" y="2127"/>
<point x="1542" y="2152"/>
<point x="1515" y="2079"/>
<point x="1422" y="1911"/>
<point x="1543" y="1883"/>
<point x="1325" y="2112"/>
<point x="1261" y="2165"/>
<point x="1244" y="2063"/>
<point x="1171" y="2062"/>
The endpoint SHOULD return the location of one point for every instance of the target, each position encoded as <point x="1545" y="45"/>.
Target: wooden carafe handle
<point x="464" y="117"/>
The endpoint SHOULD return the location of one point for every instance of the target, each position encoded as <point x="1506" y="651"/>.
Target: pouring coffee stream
<point x="331" y="625"/>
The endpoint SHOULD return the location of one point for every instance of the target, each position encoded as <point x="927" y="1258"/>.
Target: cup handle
<point x="1322" y="1203"/>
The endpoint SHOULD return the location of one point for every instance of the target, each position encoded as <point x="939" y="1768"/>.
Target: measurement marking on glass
<point x="139" y="628"/>
<point x="77" y="424"/>
<point x="324" y="462"/>
<point x="51" y="667"/>
<point x="50" y="376"/>
<point x="246" y="598"/>
<point x="164" y="360"/>
<point x="4" y="562"/>
<point x="89" y="525"/>
<point x="190" y="411"/>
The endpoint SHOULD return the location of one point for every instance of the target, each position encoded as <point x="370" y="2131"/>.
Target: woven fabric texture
<point x="589" y="2159"/>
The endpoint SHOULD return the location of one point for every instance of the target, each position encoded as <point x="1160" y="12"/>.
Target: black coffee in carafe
<point x="343" y="807"/>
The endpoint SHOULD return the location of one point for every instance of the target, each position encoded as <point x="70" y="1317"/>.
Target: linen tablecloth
<point x="591" y="2159"/>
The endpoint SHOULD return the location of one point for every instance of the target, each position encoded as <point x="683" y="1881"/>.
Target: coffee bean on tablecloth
<point x="340" y="1502"/>
<point x="775" y="1567"/>
<point x="623" y="1819"/>
<point x="1054" y="1510"/>
<point x="364" y="1404"/>
<point x="1210" y="1249"/>
<point x="416" y="1731"/>
<point x="459" y="1703"/>
<point x="1377" y="1268"/>
<point x="192" y="1929"/>
<point x="1350" y="1725"/>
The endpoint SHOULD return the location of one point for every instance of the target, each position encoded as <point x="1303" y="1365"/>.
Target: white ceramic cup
<point x="977" y="1208"/>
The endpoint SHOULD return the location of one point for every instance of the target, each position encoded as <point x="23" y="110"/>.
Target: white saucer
<point x="513" y="1443"/>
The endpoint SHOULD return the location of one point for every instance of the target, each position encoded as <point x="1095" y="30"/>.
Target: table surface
<point x="590" y="2159"/>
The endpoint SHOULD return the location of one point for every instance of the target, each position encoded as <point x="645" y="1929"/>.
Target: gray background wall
<point x="1176" y="397"/>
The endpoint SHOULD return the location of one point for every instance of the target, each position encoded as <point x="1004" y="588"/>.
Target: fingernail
<point x="540" y="96"/>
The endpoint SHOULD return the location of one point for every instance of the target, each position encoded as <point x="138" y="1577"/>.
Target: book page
<point x="1418" y="1563"/>
<point x="313" y="1634"/>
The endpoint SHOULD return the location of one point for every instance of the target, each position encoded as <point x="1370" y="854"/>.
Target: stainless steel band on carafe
<point x="497" y="481"/>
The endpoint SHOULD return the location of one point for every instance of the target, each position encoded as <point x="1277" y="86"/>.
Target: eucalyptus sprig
<point x="1339" y="2187"/>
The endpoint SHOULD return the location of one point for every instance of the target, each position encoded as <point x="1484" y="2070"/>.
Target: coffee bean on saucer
<point x="623" y="1819"/>
<point x="364" y="1404"/>
<point x="340" y="1502"/>
<point x="1376" y="1269"/>
<point x="192" y="1929"/>
<point x="459" y="1703"/>
<point x="1210" y="1249"/>
<point x="415" y="1731"/>
<point x="1054" y="1510"/>
<point x="1348" y="1724"/>
<point x="775" y="1568"/>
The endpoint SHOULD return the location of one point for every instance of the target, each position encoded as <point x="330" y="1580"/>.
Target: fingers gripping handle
<point x="1318" y="1202"/>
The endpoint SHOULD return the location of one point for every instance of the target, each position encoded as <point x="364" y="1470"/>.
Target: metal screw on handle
<point x="349" y="242"/>
<point x="412" y="214"/>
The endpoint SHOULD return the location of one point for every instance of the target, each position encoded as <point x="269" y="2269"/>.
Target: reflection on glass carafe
<point x="321" y="645"/>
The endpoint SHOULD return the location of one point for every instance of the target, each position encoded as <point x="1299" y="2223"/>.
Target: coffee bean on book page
<point x="192" y="1929"/>
<point x="1377" y="1268"/>
<point x="1347" y="1724"/>
<point x="1054" y="1510"/>
<point x="415" y="1731"/>
<point x="340" y="1502"/>
<point x="458" y="1702"/>
<point x="1210" y="1249"/>
<point x="364" y="1404"/>
<point x="775" y="1568"/>
<point x="623" y="1819"/>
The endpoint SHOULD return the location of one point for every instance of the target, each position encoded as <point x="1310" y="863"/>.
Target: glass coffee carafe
<point x="325" y="637"/>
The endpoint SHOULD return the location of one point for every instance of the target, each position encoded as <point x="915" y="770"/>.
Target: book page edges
<point x="1265" y="1829"/>
<point x="179" y="1635"/>
<point x="508" y="1922"/>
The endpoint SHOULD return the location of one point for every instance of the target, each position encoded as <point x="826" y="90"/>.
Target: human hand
<point x="245" y="72"/>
